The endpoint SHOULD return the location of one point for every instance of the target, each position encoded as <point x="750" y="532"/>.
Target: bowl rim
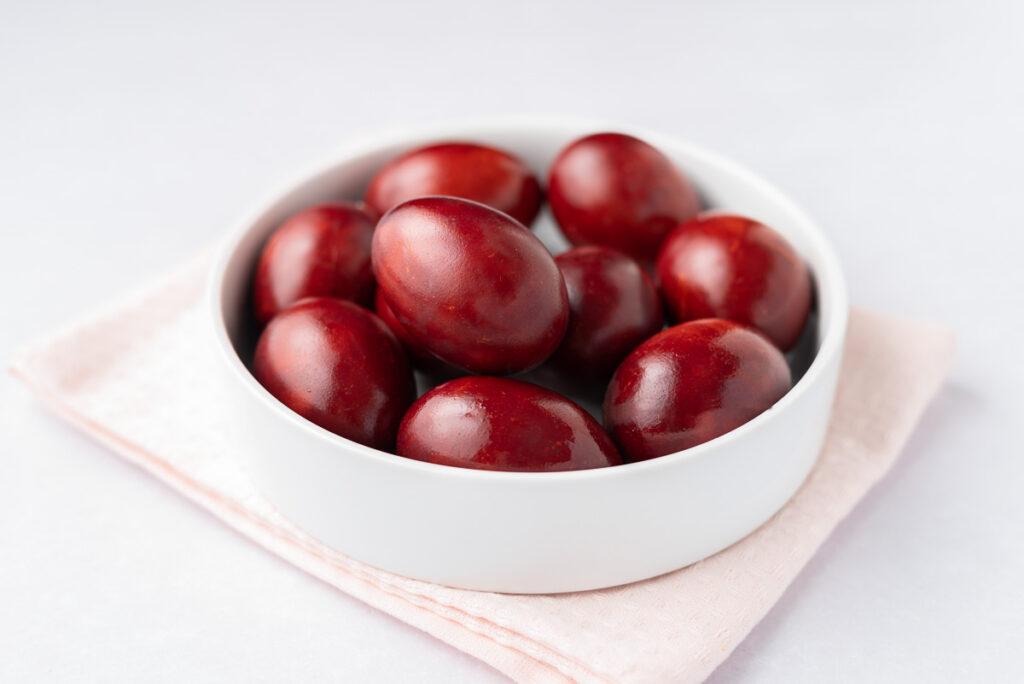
<point x="368" y="141"/>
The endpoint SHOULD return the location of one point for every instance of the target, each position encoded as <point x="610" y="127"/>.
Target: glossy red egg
<point x="323" y="251"/>
<point x="416" y="351"/>
<point x="727" y="266"/>
<point x="689" y="384"/>
<point x="470" y="284"/>
<point x="613" y="307"/>
<point x="617" y="191"/>
<point x="457" y="169"/>
<point x="338" y="365"/>
<point x="502" y="424"/>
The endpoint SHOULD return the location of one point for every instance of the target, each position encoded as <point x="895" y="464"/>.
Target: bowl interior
<point x="722" y="185"/>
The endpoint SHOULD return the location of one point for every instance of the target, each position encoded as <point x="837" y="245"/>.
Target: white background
<point x="132" y="136"/>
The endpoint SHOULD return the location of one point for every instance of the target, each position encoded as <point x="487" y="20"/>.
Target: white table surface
<point x="130" y="137"/>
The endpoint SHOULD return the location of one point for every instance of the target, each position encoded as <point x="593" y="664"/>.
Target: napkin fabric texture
<point x="141" y="377"/>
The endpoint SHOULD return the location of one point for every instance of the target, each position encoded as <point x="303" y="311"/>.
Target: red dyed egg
<point x="456" y="169"/>
<point x="416" y="350"/>
<point x="727" y="266"/>
<point x="502" y="424"/>
<point x="323" y="251"/>
<point x="613" y="307"/>
<point x="689" y="384"/>
<point x="617" y="191"/>
<point x="470" y="284"/>
<point x="338" y="365"/>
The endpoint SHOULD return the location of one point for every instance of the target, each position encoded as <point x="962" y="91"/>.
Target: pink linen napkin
<point x="140" y="377"/>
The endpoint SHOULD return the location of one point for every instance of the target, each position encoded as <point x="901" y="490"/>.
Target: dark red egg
<point x="470" y="284"/>
<point x="323" y="251"/>
<point x="493" y="423"/>
<point x="613" y="307"/>
<point x="727" y="266"/>
<point x="689" y="384"/>
<point x="336" y="364"/>
<point x="617" y="191"/>
<point x="416" y="350"/>
<point x="458" y="169"/>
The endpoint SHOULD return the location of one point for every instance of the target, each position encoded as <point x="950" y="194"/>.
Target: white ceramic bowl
<point x="528" y="532"/>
